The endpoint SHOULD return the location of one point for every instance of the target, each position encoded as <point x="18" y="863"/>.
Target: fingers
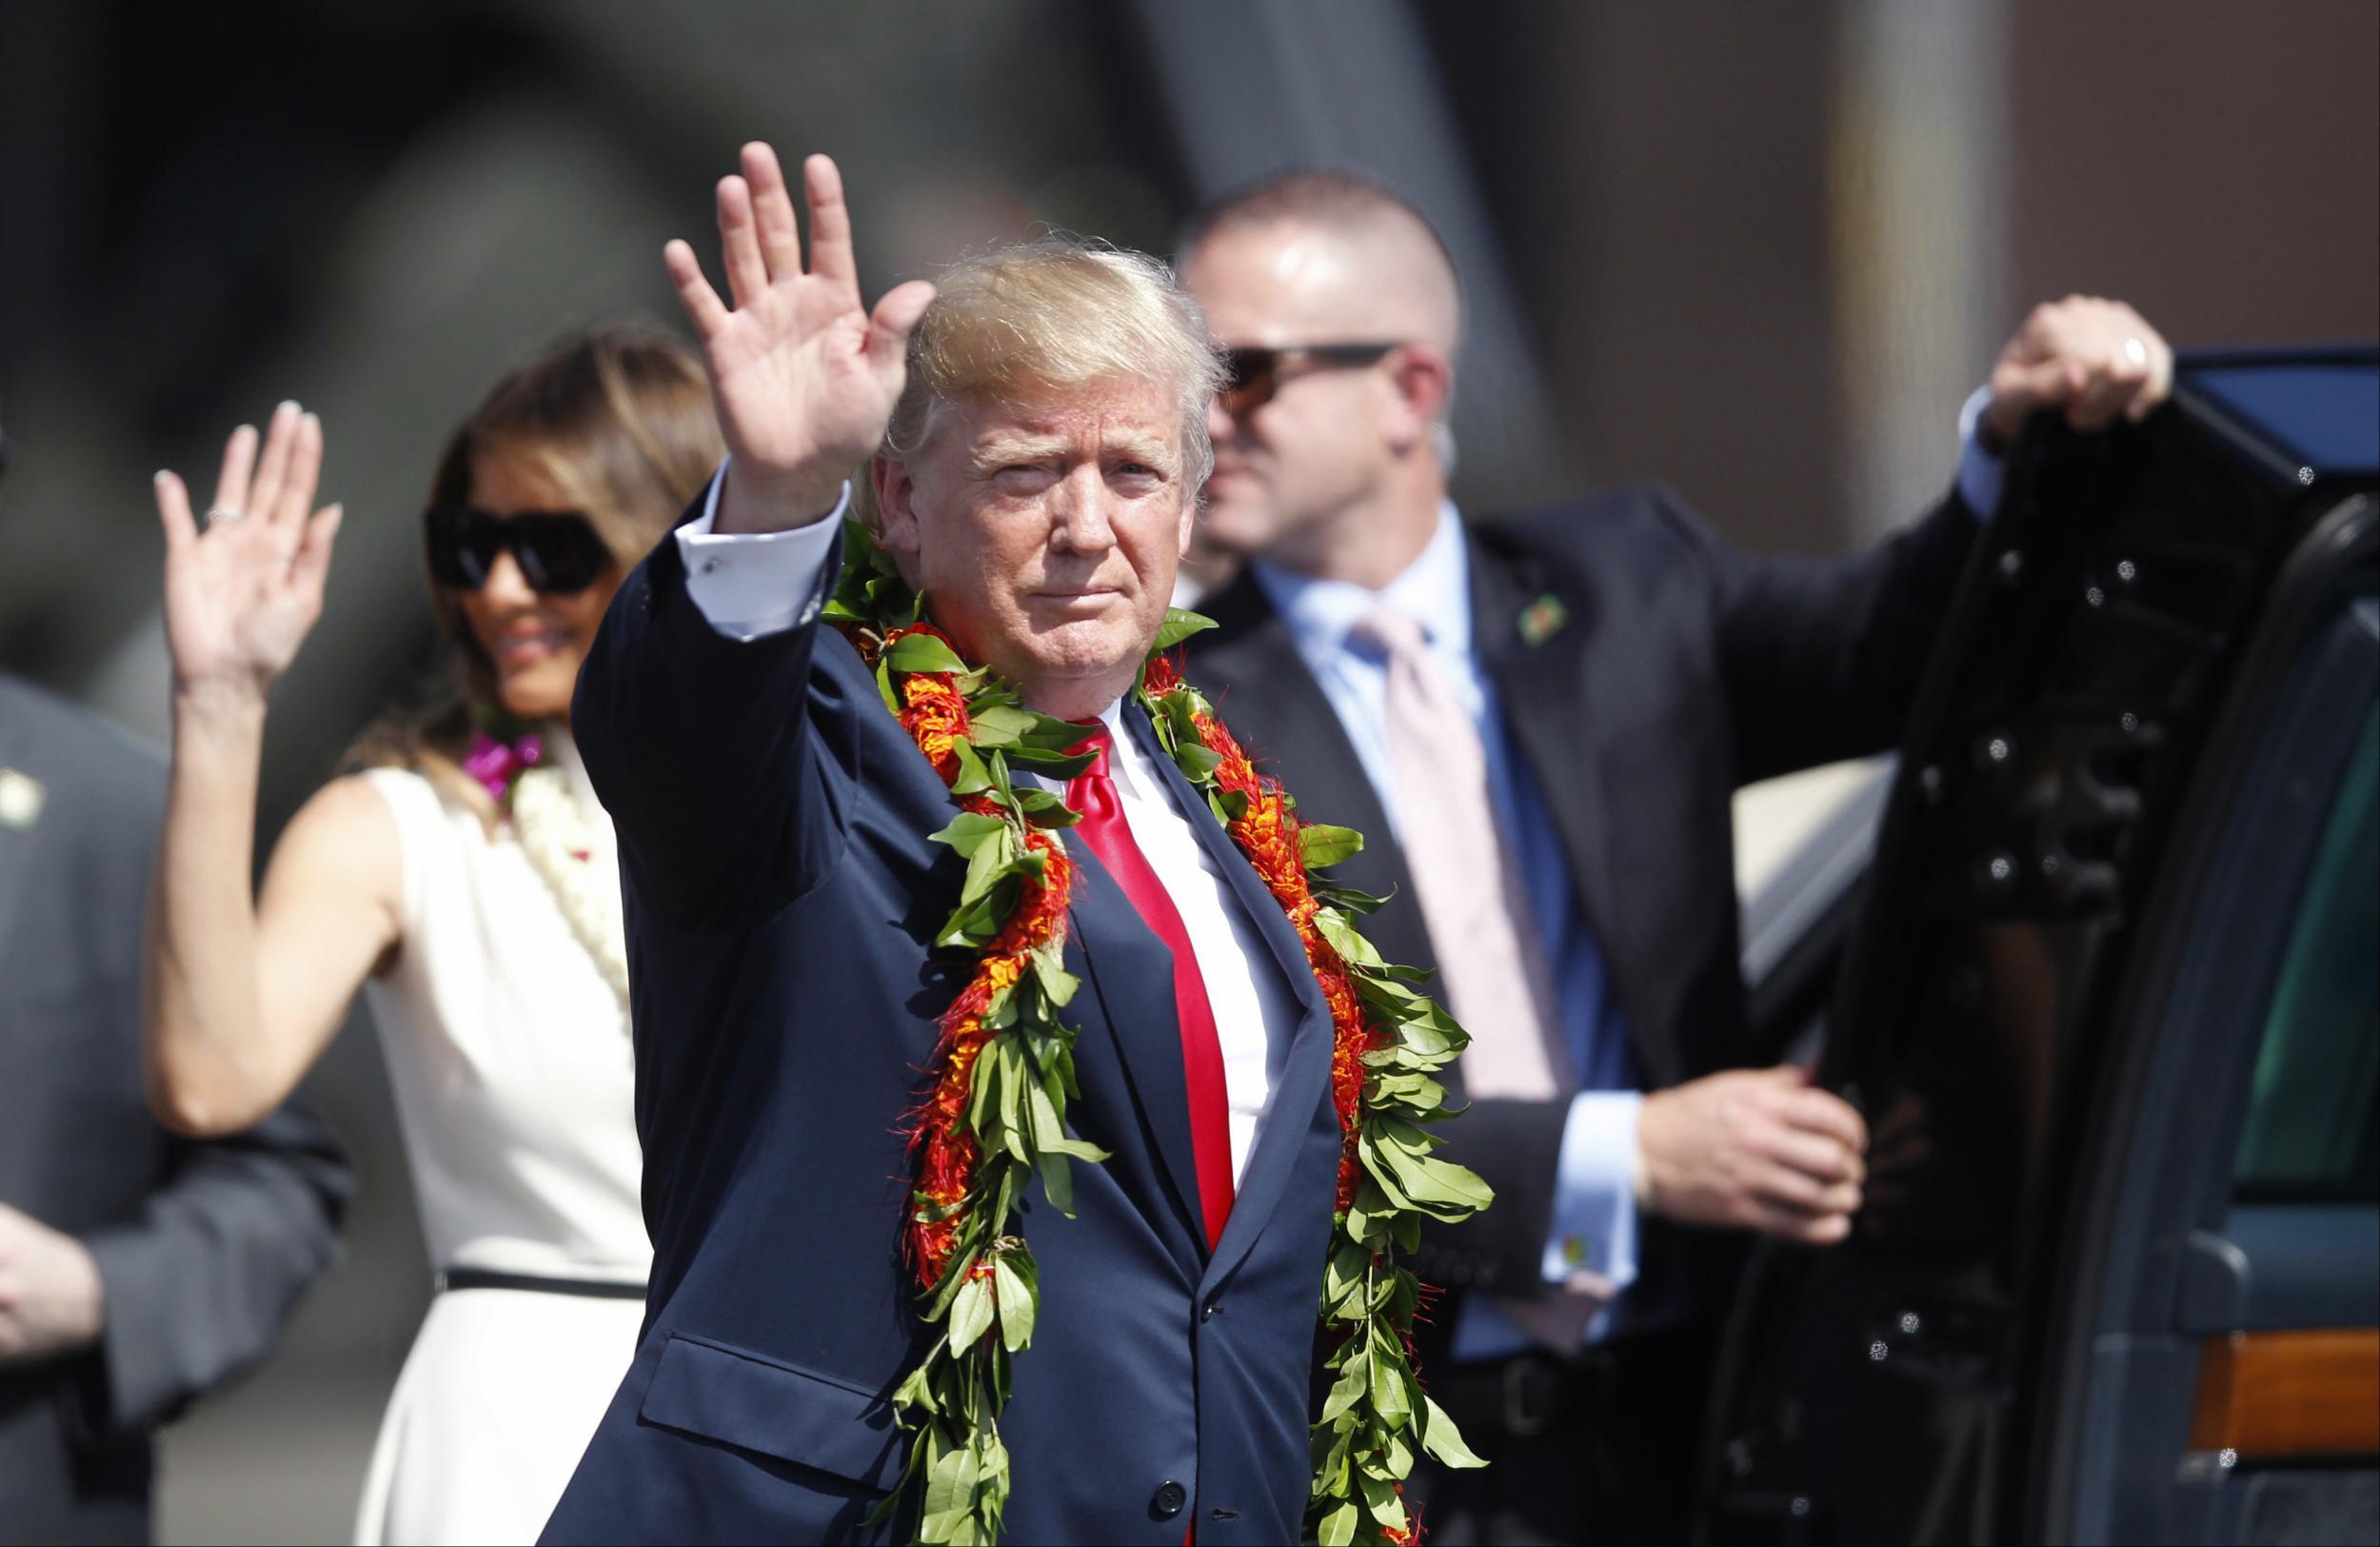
<point x="2020" y="388"/>
<point x="1777" y="1186"/>
<point x="297" y="487"/>
<point x="2157" y="380"/>
<point x="272" y="466"/>
<point x="1803" y="1229"/>
<point x="1826" y="1114"/>
<point x="895" y="318"/>
<point x="772" y="211"/>
<point x="739" y="243"/>
<point x="310" y="566"/>
<point x="702" y="306"/>
<point x="830" y="222"/>
<point x="2096" y="359"/>
<point x="174" y="513"/>
<point x="1823" y="1157"/>
<point x="239" y="462"/>
<point x="2114" y="367"/>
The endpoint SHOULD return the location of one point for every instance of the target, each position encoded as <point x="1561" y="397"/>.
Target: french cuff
<point x="1593" y="1231"/>
<point x="1980" y="476"/>
<point x="750" y="585"/>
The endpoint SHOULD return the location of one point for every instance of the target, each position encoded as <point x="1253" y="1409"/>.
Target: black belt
<point x="1527" y="1393"/>
<point x="452" y="1279"/>
<point x="1534" y="1392"/>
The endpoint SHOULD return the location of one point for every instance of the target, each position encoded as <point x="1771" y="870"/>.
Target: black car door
<point x="2161" y="659"/>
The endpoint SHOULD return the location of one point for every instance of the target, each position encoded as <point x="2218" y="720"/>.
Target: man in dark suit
<point x="1606" y="675"/>
<point x="1037" y="483"/>
<point x="137" y="1270"/>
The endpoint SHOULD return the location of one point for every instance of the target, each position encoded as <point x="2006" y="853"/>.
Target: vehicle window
<point x="2310" y="1134"/>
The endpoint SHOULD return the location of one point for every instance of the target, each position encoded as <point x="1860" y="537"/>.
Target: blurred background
<point x="1762" y="252"/>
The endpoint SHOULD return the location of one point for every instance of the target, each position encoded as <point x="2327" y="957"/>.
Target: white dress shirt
<point x="751" y="585"/>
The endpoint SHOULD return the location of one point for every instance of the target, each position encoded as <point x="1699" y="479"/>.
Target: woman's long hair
<point x="620" y="419"/>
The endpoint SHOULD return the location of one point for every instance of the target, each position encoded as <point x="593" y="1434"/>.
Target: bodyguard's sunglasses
<point x="557" y="550"/>
<point x="1252" y="375"/>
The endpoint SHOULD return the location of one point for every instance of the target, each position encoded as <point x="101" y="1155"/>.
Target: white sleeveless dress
<point x="515" y="1091"/>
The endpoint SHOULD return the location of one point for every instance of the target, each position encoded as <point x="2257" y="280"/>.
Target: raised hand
<point x="2095" y="360"/>
<point x="804" y="375"/>
<point x="241" y="595"/>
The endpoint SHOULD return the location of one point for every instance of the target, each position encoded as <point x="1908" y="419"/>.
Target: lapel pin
<point x="20" y="797"/>
<point x="1542" y="619"/>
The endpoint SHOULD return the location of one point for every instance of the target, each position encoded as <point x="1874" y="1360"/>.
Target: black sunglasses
<point x="1252" y="375"/>
<point x="557" y="550"/>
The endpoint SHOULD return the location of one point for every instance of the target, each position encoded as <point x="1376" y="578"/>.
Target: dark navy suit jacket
<point x="782" y="896"/>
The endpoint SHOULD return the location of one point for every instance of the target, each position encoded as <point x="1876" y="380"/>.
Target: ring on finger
<point x="2135" y="351"/>
<point x="223" y="512"/>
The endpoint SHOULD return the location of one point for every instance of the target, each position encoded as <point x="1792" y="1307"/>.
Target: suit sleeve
<point x="198" y="1284"/>
<point x="699" y="740"/>
<point x="1516" y="1147"/>
<point x="1820" y="659"/>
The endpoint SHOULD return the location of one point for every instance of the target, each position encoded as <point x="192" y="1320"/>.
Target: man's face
<point x="1324" y="441"/>
<point x="1046" y="534"/>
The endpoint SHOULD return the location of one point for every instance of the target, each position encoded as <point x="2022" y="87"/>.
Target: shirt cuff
<point x="1594" y="1193"/>
<point x="1980" y="475"/>
<point x="749" y="584"/>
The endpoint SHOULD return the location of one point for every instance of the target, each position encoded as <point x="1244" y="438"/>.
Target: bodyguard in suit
<point x="1539" y="722"/>
<point x="1046" y="445"/>
<point x="136" y="1270"/>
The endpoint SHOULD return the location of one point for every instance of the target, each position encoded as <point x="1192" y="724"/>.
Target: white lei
<point x="561" y="847"/>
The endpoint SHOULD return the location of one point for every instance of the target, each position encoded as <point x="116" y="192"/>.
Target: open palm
<point x="805" y="377"/>
<point x="241" y="595"/>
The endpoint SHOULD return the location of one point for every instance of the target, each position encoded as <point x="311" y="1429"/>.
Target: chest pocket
<point x="758" y="1404"/>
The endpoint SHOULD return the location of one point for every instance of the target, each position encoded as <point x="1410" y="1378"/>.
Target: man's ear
<point x="1424" y="380"/>
<point x="896" y="501"/>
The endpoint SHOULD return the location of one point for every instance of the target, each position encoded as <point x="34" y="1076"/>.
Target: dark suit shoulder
<point x="1642" y="517"/>
<point x="39" y="727"/>
<point x="105" y="782"/>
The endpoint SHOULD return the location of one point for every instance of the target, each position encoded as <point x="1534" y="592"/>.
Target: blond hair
<point x="1060" y="312"/>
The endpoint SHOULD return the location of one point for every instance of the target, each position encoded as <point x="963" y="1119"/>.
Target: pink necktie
<point x="1490" y="959"/>
<point x="1490" y="956"/>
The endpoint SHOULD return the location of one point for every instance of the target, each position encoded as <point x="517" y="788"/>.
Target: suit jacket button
<point x="1167" y="1501"/>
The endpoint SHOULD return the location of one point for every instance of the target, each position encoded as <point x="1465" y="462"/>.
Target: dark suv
<point x="2109" y="996"/>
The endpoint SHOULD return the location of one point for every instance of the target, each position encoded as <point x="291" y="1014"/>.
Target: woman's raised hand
<point x="241" y="594"/>
<point x="804" y="375"/>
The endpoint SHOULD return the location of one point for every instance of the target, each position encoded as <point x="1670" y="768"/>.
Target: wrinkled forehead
<point x="1098" y="418"/>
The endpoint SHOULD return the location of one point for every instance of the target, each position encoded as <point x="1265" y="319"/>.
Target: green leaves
<point x="1442" y="1439"/>
<point x="917" y="652"/>
<point x="969" y="831"/>
<point x="970" y="1313"/>
<point x="1321" y="845"/>
<point x="1179" y="625"/>
<point x="1017" y="1290"/>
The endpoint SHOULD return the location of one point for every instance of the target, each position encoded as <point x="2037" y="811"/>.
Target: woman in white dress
<point x="465" y="879"/>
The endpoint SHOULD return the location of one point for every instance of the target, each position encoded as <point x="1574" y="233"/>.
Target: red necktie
<point x="1093" y="794"/>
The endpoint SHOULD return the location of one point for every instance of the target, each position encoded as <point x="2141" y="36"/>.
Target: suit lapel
<point x="1307" y="1066"/>
<point x="1264" y="691"/>
<point x="1532" y="627"/>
